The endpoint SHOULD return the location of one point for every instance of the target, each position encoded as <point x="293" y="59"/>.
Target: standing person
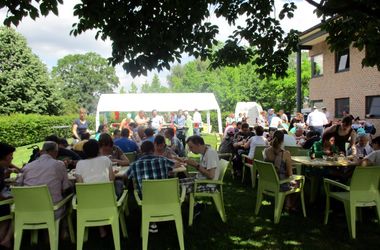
<point x="283" y="116"/>
<point x="230" y="119"/>
<point x="328" y="117"/>
<point x="157" y="121"/>
<point x="180" y="123"/>
<point x="80" y="125"/>
<point x="316" y="120"/>
<point x="46" y="170"/>
<point x="6" y="157"/>
<point x="271" y="113"/>
<point x="275" y="122"/>
<point x="297" y="121"/>
<point x="342" y="133"/>
<point x="189" y="125"/>
<point x="197" y="119"/>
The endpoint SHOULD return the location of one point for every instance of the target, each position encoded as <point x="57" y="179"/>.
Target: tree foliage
<point x="83" y="77"/>
<point x="153" y="87"/>
<point x="25" y="85"/>
<point x="133" y="89"/>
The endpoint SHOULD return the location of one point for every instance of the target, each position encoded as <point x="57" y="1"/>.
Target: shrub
<point x="24" y="129"/>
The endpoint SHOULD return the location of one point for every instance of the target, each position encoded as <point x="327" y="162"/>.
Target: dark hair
<point x="105" y="140"/>
<point x="91" y="148"/>
<point x="347" y="120"/>
<point x="132" y="125"/>
<point x="5" y="149"/>
<point x="196" y="139"/>
<point x="238" y="123"/>
<point x="147" y="147"/>
<point x="278" y="138"/>
<point x="170" y="131"/>
<point x="125" y="132"/>
<point x="310" y="134"/>
<point x="85" y="136"/>
<point x="101" y="128"/>
<point x="245" y="125"/>
<point x="53" y="138"/>
<point x="259" y="130"/>
<point x="376" y="140"/>
<point x="116" y="132"/>
<point x="149" y="132"/>
<point x="63" y="142"/>
<point x="159" y="139"/>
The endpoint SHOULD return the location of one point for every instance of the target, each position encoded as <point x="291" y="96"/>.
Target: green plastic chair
<point x="131" y="156"/>
<point x="363" y="192"/>
<point x="7" y="202"/>
<point x="269" y="184"/>
<point x="297" y="151"/>
<point x="228" y="157"/>
<point x="161" y="202"/>
<point x="217" y="196"/>
<point x="253" y="169"/>
<point x="97" y="205"/>
<point x="34" y="210"/>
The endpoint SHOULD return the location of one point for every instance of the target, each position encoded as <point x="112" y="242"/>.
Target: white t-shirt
<point x="289" y="140"/>
<point x="209" y="160"/>
<point x="197" y="118"/>
<point x="256" y="141"/>
<point x="275" y="121"/>
<point x="95" y="169"/>
<point x="316" y="119"/>
<point x="374" y="157"/>
<point x="156" y="121"/>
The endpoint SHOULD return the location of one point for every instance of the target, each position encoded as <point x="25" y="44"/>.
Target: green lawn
<point x="243" y="230"/>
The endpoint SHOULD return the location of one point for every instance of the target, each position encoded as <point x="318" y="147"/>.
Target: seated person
<point x="107" y="148"/>
<point x="226" y="146"/>
<point x="68" y="156"/>
<point x="6" y="156"/>
<point x="326" y="147"/>
<point x="149" y="135"/>
<point x="374" y="157"/>
<point x="161" y="149"/>
<point x="289" y="140"/>
<point x="103" y="128"/>
<point x="362" y="147"/>
<point x="257" y="140"/>
<point x="116" y="134"/>
<point x="240" y="140"/>
<point x="46" y="170"/>
<point x="126" y="144"/>
<point x="79" y="146"/>
<point x="311" y="137"/>
<point x="175" y="144"/>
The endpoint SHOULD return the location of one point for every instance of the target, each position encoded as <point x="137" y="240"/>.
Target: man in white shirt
<point x="275" y="122"/>
<point x="257" y="140"/>
<point x="197" y="120"/>
<point x="157" y="122"/>
<point x="316" y="120"/>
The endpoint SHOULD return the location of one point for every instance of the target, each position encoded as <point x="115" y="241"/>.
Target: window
<point x="342" y="105"/>
<point x="342" y="60"/>
<point x="372" y="106"/>
<point x="317" y="65"/>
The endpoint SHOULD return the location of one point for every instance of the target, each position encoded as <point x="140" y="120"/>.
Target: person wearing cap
<point x="316" y="120"/>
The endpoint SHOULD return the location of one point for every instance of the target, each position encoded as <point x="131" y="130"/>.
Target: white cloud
<point x="50" y="39"/>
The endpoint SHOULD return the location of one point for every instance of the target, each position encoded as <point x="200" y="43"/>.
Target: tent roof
<point x="159" y="101"/>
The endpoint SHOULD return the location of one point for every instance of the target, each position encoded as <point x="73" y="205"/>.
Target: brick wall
<point x="356" y="83"/>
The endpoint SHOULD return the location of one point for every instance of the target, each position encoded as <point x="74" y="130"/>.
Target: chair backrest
<point x="131" y="156"/>
<point x="160" y="192"/>
<point x="365" y="182"/>
<point x="294" y="150"/>
<point x="223" y="165"/>
<point x="95" y="195"/>
<point x="259" y="153"/>
<point x="267" y="174"/>
<point x="34" y="201"/>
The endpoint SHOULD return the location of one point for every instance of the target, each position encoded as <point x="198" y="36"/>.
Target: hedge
<point x="23" y="129"/>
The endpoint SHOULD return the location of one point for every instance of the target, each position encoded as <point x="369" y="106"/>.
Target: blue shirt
<point x="181" y="121"/>
<point x="126" y="145"/>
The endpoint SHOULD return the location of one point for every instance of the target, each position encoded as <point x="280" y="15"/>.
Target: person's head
<point x="363" y="139"/>
<point x="116" y="133"/>
<point x="345" y="113"/>
<point x="147" y="147"/>
<point x="105" y="140"/>
<point x="310" y="135"/>
<point x="376" y="143"/>
<point x="141" y="114"/>
<point x="159" y="142"/>
<point x="154" y="112"/>
<point x="132" y="125"/>
<point x="103" y="128"/>
<point x="278" y="139"/>
<point x="149" y="132"/>
<point x="140" y="132"/>
<point x="245" y="127"/>
<point x="281" y="112"/>
<point x="169" y="133"/>
<point x="180" y="112"/>
<point x="299" y="116"/>
<point x="259" y="130"/>
<point x="82" y="113"/>
<point x="324" y="109"/>
<point x="299" y="131"/>
<point x="195" y="110"/>
<point x="232" y="115"/>
<point x="62" y="142"/>
<point x="91" y="148"/>
<point x="53" y="138"/>
<point x="85" y="136"/>
<point x="238" y="125"/>
<point x="270" y="111"/>
<point x="346" y="123"/>
<point x="6" y="154"/>
<point x="196" y="144"/>
<point x="50" y="148"/>
<point x="230" y="132"/>
<point x="240" y="114"/>
<point x="332" y="140"/>
<point x="125" y="133"/>
<point x="233" y="124"/>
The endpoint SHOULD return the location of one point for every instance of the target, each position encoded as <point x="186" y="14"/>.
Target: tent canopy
<point x="251" y="109"/>
<point x="162" y="102"/>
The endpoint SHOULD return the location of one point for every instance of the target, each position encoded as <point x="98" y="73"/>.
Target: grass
<point x="243" y="230"/>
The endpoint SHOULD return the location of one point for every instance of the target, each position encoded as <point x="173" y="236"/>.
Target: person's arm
<point x="288" y="162"/>
<point x="122" y="124"/>
<point x="74" y="130"/>
<point x="209" y="173"/>
<point x="352" y="142"/>
<point x="111" y="174"/>
<point x="121" y="159"/>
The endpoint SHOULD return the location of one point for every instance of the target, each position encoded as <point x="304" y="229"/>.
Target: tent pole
<point x="208" y="121"/>
<point x="97" y="120"/>
<point x="220" y="129"/>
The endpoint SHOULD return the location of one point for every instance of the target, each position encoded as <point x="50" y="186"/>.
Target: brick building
<point x="339" y="82"/>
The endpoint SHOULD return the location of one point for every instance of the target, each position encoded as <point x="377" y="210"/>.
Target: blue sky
<point x="49" y="37"/>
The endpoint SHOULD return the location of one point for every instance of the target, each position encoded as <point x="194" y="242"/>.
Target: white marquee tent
<point x="162" y="102"/>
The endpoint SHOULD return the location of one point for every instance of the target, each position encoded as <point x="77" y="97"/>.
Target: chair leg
<point x="52" y="236"/>
<point x="278" y="204"/>
<point x="122" y="223"/>
<point x="303" y="203"/>
<point x="116" y="233"/>
<point x="56" y="240"/>
<point x="145" y="231"/>
<point x="313" y="188"/>
<point x="351" y="218"/>
<point x="243" y="174"/>
<point x="191" y="209"/>
<point x="17" y="235"/>
<point x="71" y="227"/>
<point x="220" y="207"/>
<point x="253" y="176"/>
<point x="80" y="234"/>
<point x="179" y="226"/>
<point x="259" y="199"/>
<point x="378" y="210"/>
